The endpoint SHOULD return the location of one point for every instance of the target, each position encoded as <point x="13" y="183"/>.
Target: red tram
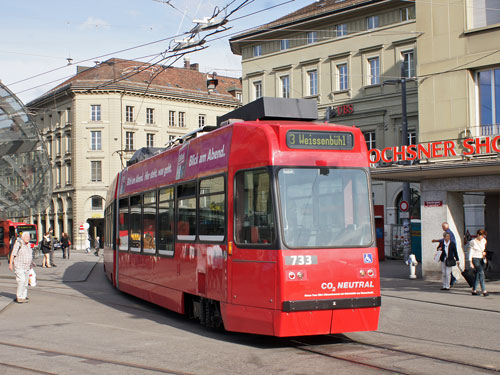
<point x="9" y="228"/>
<point x="262" y="226"/>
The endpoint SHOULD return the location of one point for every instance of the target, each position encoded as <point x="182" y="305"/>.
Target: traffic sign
<point x="403" y="206"/>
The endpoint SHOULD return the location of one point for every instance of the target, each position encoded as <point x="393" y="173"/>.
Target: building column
<point x="492" y="220"/>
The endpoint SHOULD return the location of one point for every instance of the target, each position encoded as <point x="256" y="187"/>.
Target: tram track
<point x="94" y="359"/>
<point x="319" y="350"/>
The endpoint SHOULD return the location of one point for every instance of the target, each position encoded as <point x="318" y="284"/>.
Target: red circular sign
<point x="81" y="227"/>
<point x="403" y="206"/>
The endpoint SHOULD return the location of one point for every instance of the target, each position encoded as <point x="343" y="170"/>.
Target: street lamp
<point x="406" y="185"/>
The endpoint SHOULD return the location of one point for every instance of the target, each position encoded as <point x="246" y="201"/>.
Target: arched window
<point x="97" y="203"/>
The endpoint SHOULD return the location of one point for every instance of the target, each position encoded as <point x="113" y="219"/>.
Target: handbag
<point x="32" y="277"/>
<point x="450" y="262"/>
<point x="437" y="256"/>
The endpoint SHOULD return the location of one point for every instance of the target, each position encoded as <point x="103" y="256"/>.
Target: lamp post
<point x="404" y="215"/>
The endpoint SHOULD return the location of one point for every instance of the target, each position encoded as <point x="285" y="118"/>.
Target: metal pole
<point x="406" y="185"/>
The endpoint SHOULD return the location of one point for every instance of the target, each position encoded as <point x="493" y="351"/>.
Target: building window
<point x="150" y="140"/>
<point x="412" y="137"/>
<point x="284" y="44"/>
<point x="343" y="78"/>
<point x="312" y="76"/>
<point x="407" y="14"/>
<point x="312" y="37"/>
<point x="257" y="50"/>
<point x="171" y="137"/>
<point x="171" y="118"/>
<point x="201" y="120"/>
<point x="238" y="96"/>
<point x="49" y="144"/>
<point x="96" y="203"/>
<point x="370" y="140"/>
<point x="58" y="145"/>
<point x="482" y="13"/>
<point x="150" y="115"/>
<point x="257" y="86"/>
<point x="58" y="175"/>
<point x="68" y="143"/>
<point x="129" y="141"/>
<point x="95" y="140"/>
<point x="285" y="86"/>
<point x="95" y="112"/>
<point x="182" y="116"/>
<point x="374" y="71"/>
<point x="409" y="64"/>
<point x="489" y="100"/>
<point x="68" y="174"/>
<point x="341" y="29"/>
<point x="372" y="22"/>
<point x="95" y="171"/>
<point x="129" y="113"/>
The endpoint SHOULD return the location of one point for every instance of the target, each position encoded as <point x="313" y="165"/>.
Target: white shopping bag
<point x="437" y="256"/>
<point x="32" y="277"/>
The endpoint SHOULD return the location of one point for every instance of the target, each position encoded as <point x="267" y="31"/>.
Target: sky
<point x="38" y="37"/>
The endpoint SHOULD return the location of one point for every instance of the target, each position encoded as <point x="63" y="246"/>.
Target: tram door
<point x="254" y="266"/>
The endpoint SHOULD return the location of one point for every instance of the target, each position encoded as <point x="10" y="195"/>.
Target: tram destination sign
<point x="303" y="139"/>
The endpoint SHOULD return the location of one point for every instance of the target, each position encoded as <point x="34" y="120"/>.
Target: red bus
<point x="261" y="226"/>
<point x="9" y="228"/>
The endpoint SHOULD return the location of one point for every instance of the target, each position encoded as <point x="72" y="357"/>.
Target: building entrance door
<point x="96" y="229"/>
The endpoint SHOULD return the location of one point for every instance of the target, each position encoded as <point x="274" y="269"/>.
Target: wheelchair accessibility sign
<point x="367" y="258"/>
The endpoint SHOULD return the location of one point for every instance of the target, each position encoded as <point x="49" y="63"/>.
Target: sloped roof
<point x="114" y="73"/>
<point x="316" y="9"/>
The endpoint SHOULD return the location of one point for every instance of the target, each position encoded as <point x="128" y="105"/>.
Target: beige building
<point x="347" y="55"/>
<point x="95" y="121"/>
<point x="459" y="98"/>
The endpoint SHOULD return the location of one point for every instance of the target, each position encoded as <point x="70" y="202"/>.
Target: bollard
<point x="412" y="262"/>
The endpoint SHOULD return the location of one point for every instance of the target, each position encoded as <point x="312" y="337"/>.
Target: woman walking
<point x="46" y="246"/>
<point x="65" y="245"/>
<point x="477" y="254"/>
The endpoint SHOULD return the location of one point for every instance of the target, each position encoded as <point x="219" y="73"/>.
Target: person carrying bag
<point x="449" y="259"/>
<point x="477" y="258"/>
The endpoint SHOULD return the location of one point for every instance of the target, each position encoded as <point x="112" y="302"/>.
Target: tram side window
<point x="166" y="221"/>
<point x="212" y="205"/>
<point x="186" y="211"/>
<point x="123" y="219"/>
<point x="149" y="223"/>
<point x="135" y="223"/>
<point x="254" y="213"/>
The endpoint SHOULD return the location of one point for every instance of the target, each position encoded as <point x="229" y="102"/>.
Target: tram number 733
<point x="301" y="260"/>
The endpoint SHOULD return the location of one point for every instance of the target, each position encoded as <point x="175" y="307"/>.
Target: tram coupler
<point x="413" y="263"/>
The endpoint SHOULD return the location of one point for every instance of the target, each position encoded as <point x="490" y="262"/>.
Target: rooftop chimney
<point x="186" y="63"/>
<point x="195" y="66"/>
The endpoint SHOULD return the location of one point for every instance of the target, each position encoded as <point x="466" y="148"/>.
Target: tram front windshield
<point x="325" y="207"/>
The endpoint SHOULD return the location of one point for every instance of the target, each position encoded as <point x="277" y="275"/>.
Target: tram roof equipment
<point x="267" y="108"/>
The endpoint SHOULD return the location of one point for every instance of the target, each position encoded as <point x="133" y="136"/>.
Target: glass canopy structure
<point x="25" y="171"/>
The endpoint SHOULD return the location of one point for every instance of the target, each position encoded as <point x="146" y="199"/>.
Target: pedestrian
<point x="20" y="262"/>
<point x="87" y="244"/>
<point x="65" y="245"/>
<point x="449" y="259"/>
<point x="97" y="245"/>
<point x="477" y="255"/>
<point x="446" y="228"/>
<point x="45" y="246"/>
<point x="52" y="243"/>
